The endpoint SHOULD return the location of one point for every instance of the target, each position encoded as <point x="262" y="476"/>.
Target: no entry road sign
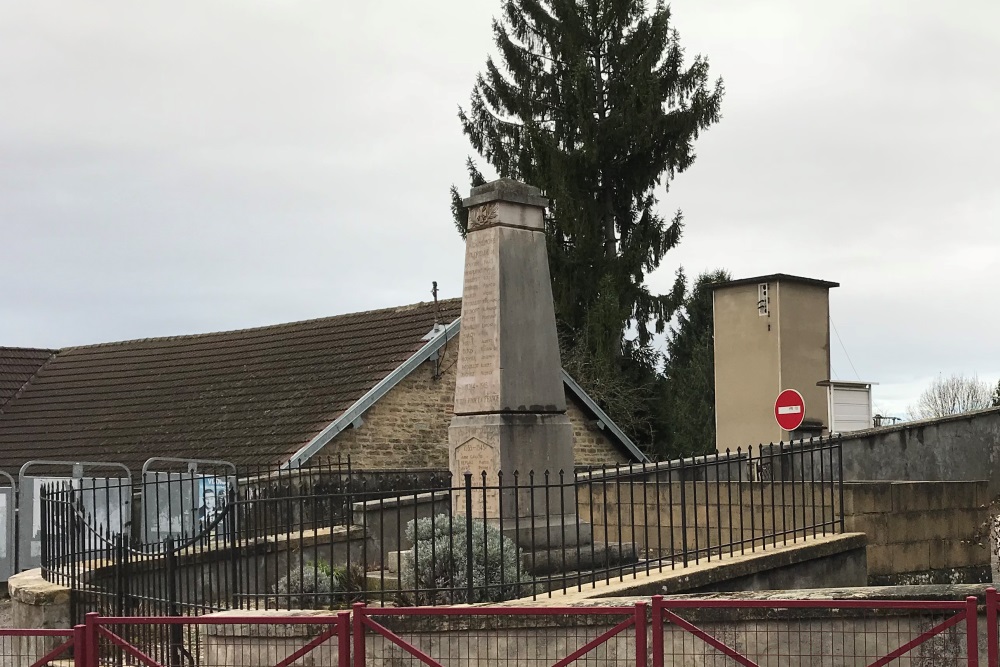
<point x="789" y="409"/>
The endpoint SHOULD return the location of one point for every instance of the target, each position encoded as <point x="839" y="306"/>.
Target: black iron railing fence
<point x="305" y="539"/>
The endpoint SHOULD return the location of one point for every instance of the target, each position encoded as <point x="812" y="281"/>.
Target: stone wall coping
<point x="193" y="555"/>
<point x="706" y="573"/>
<point x="640" y="469"/>
<point x="911" y="482"/>
<point x="268" y="629"/>
<point x="29" y="587"/>
<point x="402" y="500"/>
<point x="471" y="621"/>
<point x="916" y="424"/>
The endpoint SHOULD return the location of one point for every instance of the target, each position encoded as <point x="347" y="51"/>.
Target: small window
<point x="762" y="300"/>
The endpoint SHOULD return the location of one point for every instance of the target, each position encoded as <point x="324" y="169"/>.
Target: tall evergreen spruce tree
<point x="592" y="102"/>
<point x="690" y="374"/>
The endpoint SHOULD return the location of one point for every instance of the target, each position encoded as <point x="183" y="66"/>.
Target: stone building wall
<point x="408" y="427"/>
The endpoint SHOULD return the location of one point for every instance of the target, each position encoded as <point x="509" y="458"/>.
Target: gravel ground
<point x="5" y="614"/>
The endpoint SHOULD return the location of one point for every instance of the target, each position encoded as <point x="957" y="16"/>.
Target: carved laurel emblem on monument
<point x="484" y="216"/>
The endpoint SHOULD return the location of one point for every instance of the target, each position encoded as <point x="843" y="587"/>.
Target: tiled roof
<point x="17" y="365"/>
<point x="249" y="396"/>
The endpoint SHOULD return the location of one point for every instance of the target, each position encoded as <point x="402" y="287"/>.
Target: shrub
<point x="306" y="587"/>
<point x="442" y="570"/>
<point x="317" y="585"/>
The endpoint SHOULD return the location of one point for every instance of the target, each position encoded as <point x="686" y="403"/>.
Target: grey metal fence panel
<point x="181" y="500"/>
<point x="8" y="505"/>
<point x="105" y="499"/>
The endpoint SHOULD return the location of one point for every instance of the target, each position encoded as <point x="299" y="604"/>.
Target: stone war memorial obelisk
<point x="510" y="404"/>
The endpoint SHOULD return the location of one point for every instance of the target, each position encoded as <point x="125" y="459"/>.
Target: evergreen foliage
<point x="690" y="374"/>
<point x="591" y="101"/>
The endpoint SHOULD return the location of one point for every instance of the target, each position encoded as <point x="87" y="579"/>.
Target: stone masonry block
<point x="867" y="497"/>
<point x="956" y="553"/>
<point x="875" y="526"/>
<point x="905" y="527"/>
<point x="880" y="559"/>
<point x="917" y="496"/>
<point x="912" y="557"/>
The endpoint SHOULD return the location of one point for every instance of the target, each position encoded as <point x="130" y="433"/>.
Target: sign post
<point x="789" y="409"/>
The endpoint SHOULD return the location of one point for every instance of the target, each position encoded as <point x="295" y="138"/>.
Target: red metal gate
<point x="993" y="627"/>
<point x="561" y="643"/>
<point x="870" y="633"/>
<point x="237" y="639"/>
<point x="39" y="648"/>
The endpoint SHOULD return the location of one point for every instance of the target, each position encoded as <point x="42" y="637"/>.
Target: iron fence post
<point x="44" y="532"/>
<point x="684" y="527"/>
<point x="840" y="478"/>
<point x="229" y="526"/>
<point x="469" y="599"/>
<point x="176" y="632"/>
<point x="119" y="570"/>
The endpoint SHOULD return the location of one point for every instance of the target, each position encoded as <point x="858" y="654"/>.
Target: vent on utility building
<point x="762" y="300"/>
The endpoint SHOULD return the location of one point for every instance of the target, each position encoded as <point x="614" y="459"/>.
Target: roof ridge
<point x="18" y="348"/>
<point x="179" y="337"/>
<point x="52" y="355"/>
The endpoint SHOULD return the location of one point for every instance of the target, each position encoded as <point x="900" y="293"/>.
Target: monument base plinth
<point x="521" y="464"/>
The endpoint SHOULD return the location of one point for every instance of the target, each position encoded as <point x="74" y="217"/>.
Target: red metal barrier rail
<point x="105" y="644"/>
<point x="578" y="646"/>
<point x="992" y="643"/>
<point x="873" y="641"/>
<point x="39" y="647"/>
<point x="873" y="633"/>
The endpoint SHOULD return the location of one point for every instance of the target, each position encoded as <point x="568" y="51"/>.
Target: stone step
<point x="545" y="532"/>
<point x="382" y="581"/>
<point x="589" y="557"/>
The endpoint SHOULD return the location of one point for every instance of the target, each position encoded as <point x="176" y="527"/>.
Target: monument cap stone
<point x="508" y="190"/>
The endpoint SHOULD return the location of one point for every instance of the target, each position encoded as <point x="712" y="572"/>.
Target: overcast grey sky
<point x="181" y="167"/>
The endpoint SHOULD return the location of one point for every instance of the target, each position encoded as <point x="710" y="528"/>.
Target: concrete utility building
<point x="773" y="333"/>
<point x="378" y="386"/>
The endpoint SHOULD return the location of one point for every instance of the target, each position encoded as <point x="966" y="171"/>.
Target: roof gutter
<point x="353" y="413"/>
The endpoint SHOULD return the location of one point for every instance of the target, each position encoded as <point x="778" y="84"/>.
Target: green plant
<point x="306" y="587"/>
<point x="317" y="584"/>
<point x="439" y="568"/>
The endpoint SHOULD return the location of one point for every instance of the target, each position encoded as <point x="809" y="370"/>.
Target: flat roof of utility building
<point x="774" y="278"/>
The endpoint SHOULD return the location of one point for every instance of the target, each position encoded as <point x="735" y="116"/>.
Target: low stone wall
<point x="265" y="645"/>
<point x="209" y="574"/>
<point x="919" y="532"/>
<point x="35" y="603"/>
<point x="503" y="639"/>
<point x="922" y="532"/>
<point x="954" y="448"/>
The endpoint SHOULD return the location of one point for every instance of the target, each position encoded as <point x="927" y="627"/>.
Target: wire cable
<point x="844" y="348"/>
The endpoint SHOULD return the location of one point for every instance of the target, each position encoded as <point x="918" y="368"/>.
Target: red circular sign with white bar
<point x="789" y="409"/>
